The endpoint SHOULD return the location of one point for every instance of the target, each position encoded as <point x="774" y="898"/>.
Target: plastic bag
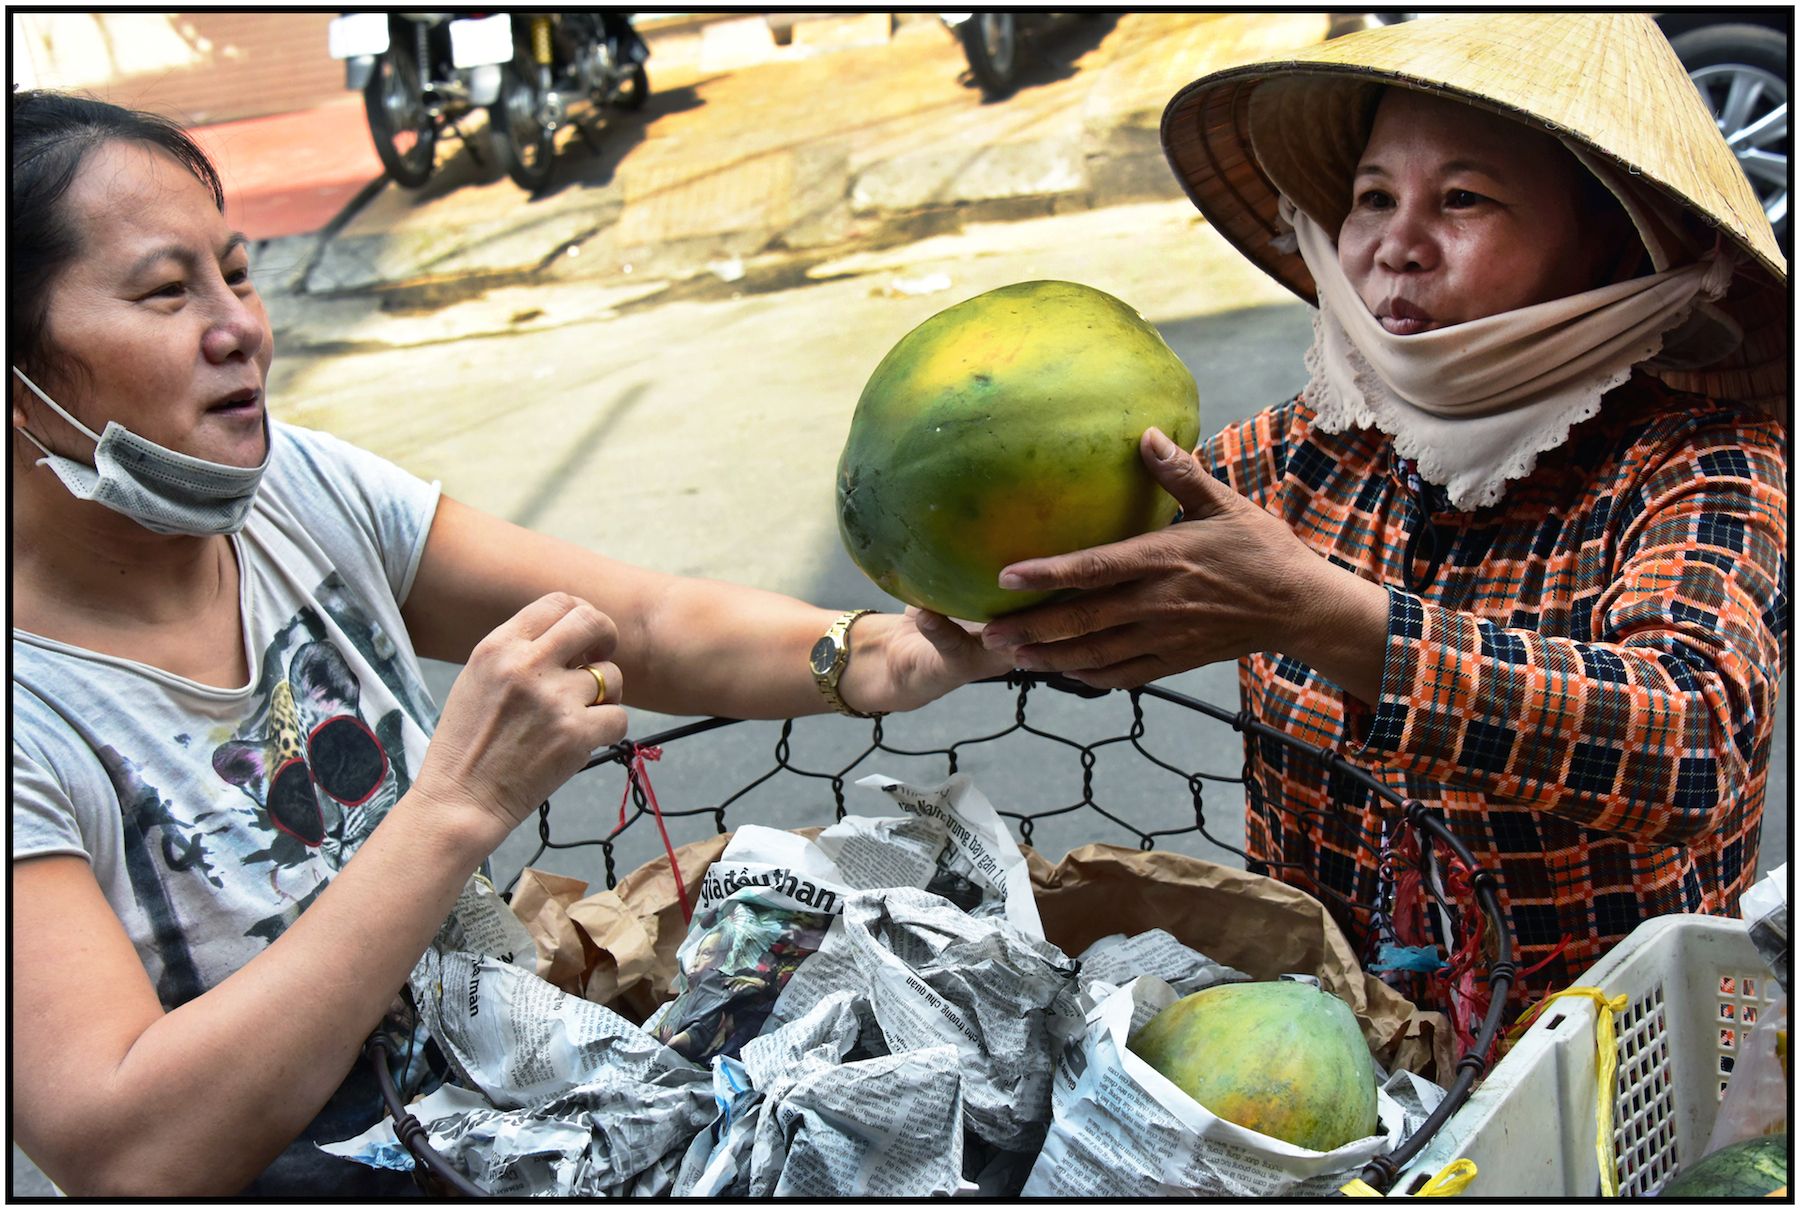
<point x="1756" y="1100"/>
<point x="1765" y="909"/>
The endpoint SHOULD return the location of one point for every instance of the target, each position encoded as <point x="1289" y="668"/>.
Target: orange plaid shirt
<point x="1584" y="685"/>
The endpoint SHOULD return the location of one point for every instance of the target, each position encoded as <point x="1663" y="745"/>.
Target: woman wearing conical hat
<point x="1521" y="539"/>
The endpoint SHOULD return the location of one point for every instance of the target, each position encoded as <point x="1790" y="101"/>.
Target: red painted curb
<point x="292" y="173"/>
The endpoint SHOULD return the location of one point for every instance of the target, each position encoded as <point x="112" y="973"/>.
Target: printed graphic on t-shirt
<point x="317" y="771"/>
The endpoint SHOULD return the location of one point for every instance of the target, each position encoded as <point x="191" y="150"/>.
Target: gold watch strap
<point x="839" y="634"/>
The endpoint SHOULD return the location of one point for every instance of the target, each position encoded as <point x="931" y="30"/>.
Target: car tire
<point x="1742" y="74"/>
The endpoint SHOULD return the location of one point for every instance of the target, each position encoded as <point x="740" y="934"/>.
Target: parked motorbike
<point x="420" y="74"/>
<point x="995" y="43"/>
<point x="561" y="60"/>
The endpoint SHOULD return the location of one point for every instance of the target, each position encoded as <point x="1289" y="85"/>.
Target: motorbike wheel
<point x="517" y="130"/>
<point x="405" y="135"/>
<point x="633" y="95"/>
<point x="991" y="42"/>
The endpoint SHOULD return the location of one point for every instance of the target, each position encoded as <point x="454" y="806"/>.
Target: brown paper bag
<point x="1263" y="927"/>
<point x="649" y="891"/>
<point x="593" y="946"/>
<point x="626" y="949"/>
<point x="541" y="900"/>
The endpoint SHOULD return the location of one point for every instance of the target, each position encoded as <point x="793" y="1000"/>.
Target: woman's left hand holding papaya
<point x="902" y="661"/>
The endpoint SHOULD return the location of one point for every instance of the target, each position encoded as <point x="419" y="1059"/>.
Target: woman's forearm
<point x="707" y="647"/>
<point x="1336" y="622"/>
<point x="685" y="646"/>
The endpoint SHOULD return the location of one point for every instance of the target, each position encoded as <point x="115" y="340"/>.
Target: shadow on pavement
<point x="581" y="452"/>
<point x="605" y="136"/>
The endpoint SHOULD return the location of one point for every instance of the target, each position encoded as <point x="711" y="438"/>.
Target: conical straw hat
<point x="1608" y="82"/>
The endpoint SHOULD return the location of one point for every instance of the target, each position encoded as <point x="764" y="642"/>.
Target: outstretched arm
<point x="686" y="646"/>
<point x="1653" y="726"/>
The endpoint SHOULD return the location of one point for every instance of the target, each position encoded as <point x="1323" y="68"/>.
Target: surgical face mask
<point x="164" y="491"/>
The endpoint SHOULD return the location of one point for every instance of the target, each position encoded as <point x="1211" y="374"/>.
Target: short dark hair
<point x="52" y="134"/>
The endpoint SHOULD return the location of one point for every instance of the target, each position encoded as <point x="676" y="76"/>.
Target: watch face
<point x="824" y="654"/>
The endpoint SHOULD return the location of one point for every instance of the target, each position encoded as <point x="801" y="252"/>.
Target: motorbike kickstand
<point x="468" y="144"/>
<point x="588" y="136"/>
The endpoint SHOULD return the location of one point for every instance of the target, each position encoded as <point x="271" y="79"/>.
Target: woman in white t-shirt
<point x="238" y="818"/>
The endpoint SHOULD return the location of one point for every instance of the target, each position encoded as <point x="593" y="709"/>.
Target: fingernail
<point x="1030" y="663"/>
<point x="1164" y="449"/>
<point x="990" y="639"/>
<point x="1011" y="579"/>
<point x="928" y="620"/>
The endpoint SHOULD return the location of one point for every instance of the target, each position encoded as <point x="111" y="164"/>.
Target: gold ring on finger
<point x="599" y="683"/>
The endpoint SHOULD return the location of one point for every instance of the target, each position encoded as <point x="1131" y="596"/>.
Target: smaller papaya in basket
<point x="1284" y="1059"/>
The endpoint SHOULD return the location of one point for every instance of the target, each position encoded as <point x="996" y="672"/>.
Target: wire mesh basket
<point x="1118" y="758"/>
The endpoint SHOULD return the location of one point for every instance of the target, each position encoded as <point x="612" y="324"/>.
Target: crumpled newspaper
<point x="872" y="1014"/>
<point x="564" y="1096"/>
<point x="979" y="866"/>
<point x="933" y="975"/>
<point x="823" y="1123"/>
<point x="1117" y="960"/>
<point x="937" y="1023"/>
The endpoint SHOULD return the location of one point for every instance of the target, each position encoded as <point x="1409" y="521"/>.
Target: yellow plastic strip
<point x="1451" y="1181"/>
<point x="1607" y="1068"/>
<point x="1448" y="1183"/>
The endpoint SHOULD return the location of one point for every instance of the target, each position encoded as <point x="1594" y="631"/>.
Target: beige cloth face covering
<point x="1475" y="403"/>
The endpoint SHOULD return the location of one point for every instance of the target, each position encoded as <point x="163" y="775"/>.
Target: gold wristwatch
<point x="830" y="655"/>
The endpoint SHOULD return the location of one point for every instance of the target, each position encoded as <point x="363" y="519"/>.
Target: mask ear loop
<point x="27" y="435"/>
<point x="37" y="390"/>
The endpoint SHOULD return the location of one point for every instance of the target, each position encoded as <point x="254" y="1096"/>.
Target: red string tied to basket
<point x="1534" y="1006"/>
<point x="1455" y="979"/>
<point x="638" y="773"/>
<point x="1467" y="1005"/>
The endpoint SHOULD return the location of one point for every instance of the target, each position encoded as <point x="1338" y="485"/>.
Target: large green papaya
<point x="1284" y="1059"/>
<point x="1004" y="428"/>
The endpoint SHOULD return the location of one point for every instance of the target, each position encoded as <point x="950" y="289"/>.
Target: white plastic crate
<point x="1694" y="987"/>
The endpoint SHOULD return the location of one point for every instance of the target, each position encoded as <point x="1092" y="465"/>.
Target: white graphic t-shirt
<point x="213" y="817"/>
